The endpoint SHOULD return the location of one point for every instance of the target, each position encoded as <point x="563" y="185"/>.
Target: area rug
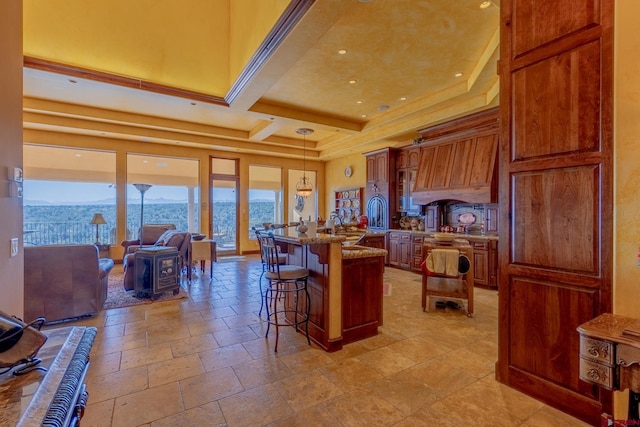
<point x="118" y="297"/>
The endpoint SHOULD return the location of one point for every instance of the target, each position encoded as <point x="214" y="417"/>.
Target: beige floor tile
<point x="224" y="356"/>
<point x="103" y="387"/>
<point x="167" y="333"/>
<point x="193" y="345"/>
<point x="386" y="361"/>
<point x="361" y="408"/>
<point x="147" y="405"/>
<point x="98" y="414"/>
<point x="408" y="395"/>
<point x="440" y="376"/>
<point x="349" y="374"/>
<point x="173" y="370"/>
<point x="234" y="336"/>
<point x="127" y="342"/>
<point x="209" y="387"/>
<point x="207" y="326"/>
<point x="257" y="406"/>
<point x="145" y="356"/>
<point x="306" y="389"/>
<point x="549" y="417"/>
<point x="262" y="371"/>
<point x="316" y="416"/>
<point x="209" y="415"/>
<point x="102" y="364"/>
<point x="306" y="360"/>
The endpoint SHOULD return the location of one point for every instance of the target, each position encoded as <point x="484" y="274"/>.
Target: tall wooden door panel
<point x="461" y="163"/>
<point x="556" y="195"/>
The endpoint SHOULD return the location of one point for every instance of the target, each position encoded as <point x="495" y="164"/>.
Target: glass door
<point x="224" y="205"/>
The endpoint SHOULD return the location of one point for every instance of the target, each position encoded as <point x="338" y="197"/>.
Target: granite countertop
<point x="291" y="235"/>
<point x="357" y="251"/>
<point x="455" y="235"/>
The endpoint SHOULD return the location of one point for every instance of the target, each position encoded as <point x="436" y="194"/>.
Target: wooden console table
<point x="610" y="355"/>
<point x="57" y="396"/>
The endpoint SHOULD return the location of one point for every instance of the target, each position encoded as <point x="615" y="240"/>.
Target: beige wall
<point x="626" y="275"/>
<point x="336" y="180"/>
<point x="11" y="269"/>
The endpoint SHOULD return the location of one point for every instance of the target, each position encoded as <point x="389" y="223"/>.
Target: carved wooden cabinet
<point x="485" y="262"/>
<point x="459" y="161"/>
<point x="405" y="250"/>
<point x="381" y="187"/>
<point x="432" y="217"/>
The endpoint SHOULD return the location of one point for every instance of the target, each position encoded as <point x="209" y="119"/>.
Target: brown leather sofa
<point x="64" y="281"/>
<point x="170" y="238"/>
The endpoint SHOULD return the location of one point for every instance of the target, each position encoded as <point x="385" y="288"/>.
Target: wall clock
<point x="348" y="171"/>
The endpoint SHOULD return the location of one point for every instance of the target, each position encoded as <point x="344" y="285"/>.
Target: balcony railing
<point x="70" y="233"/>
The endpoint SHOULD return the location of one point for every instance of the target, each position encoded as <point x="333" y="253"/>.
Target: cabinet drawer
<point x="480" y="245"/>
<point x="405" y="237"/>
<point x="626" y="354"/>
<point x="596" y="350"/>
<point x="394" y="236"/>
<point x="596" y="373"/>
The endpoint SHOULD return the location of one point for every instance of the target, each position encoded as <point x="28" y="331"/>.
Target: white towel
<point x="443" y="261"/>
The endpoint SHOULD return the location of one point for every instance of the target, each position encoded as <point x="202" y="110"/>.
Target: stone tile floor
<point x="204" y="361"/>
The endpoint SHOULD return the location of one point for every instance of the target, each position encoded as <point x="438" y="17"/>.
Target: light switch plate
<point x="14" y="247"/>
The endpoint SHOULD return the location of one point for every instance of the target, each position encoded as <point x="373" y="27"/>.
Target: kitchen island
<point x="345" y="286"/>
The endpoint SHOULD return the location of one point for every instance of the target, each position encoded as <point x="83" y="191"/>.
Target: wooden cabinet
<point x="374" y="241"/>
<point x="485" y="262"/>
<point x="362" y="308"/>
<point x="491" y="218"/>
<point x="405" y="250"/>
<point x="380" y="192"/>
<point x="406" y="182"/>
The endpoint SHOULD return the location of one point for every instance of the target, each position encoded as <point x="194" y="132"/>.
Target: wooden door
<point x="555" y="248"/>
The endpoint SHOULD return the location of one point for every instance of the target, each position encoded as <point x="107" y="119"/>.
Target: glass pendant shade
<point x="304" y="188"/>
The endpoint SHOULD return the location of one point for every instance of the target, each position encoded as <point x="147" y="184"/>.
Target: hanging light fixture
<point x="304" y="187"/>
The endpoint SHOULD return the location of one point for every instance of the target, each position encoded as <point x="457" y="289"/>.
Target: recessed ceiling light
<point x="353" y="81"/>
<point x="73" y="81"/>
<point x="193" y="103"/>
<point x="458" y="74"/>
<point x="363" y="116"/>
<point x="485" y="4"/>
<point x="359" y="101"/>
<point x="383" y="107"/>
<point x="403" y="98"/>
<point x="78" y="155"/>
<point x="342" y="51"/>
<point x="145" y="161"/>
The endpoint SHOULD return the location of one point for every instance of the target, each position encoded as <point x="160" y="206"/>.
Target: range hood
<point x="459" y="164"/>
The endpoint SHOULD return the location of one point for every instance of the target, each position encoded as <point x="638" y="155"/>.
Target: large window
<point x="63" y="189"/>
<point x="265" y="196"/>
<point x="171" y="198"/>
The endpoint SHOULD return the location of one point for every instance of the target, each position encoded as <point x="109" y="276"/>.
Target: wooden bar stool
<point x="287" y="299"/>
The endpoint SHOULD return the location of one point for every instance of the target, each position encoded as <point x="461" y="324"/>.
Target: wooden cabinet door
<point x="413" y="158"/>
<point x="461" y="163"/>
<point x="402" y="159"/>
<point x="371" y="169"/>
<point x="416" y="252"/>
<point x="491" y="219"/>
<point x="394" y="249"/>
<point x="432" y="218"/>
<point x="484" y="157"/>
<point x="405" y="255"/>
<point x="480" y="267"/>
<point x="382" y="168"/>
<point x="440" y="174"/>
<point x="492" y="279"/>
<point x="556" y="195"/>
<point x="424" y="167"/>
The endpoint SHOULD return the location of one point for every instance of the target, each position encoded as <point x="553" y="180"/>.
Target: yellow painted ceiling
<point x="401" y="57"/>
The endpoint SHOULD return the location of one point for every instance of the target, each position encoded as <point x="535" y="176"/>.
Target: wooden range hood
<point x="459" y="160"/>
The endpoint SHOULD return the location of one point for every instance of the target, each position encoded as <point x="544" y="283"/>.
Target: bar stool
<point x="282" y="259"/>
<point x="287" y="285"/>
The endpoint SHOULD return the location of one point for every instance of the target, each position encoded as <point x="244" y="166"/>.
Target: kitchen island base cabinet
<point x="361" y="298"/>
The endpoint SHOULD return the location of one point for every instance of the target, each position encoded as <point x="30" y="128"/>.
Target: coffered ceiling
<point x="242" y="76"/>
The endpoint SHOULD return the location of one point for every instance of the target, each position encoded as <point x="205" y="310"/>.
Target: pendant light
<point x="304" y="187"/>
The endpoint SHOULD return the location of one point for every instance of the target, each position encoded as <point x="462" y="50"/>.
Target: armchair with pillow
<point x="171" y="238"/>
<point x="150" y="234"/>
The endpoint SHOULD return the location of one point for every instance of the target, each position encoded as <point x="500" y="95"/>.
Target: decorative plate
<point x="467" y="218"/>
<point x="355" y="203"/>
<point x="347" y="203"/>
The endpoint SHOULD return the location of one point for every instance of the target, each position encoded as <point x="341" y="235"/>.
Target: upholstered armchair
<point x="150" y="234"/>
<point x="170" y="238"/>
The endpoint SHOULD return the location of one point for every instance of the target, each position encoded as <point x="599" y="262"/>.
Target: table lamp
<point x="97" y="220"/>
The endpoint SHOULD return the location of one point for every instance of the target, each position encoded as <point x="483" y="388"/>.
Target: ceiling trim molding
<point x="130" y="82"/>
<point x="281" y="29"/>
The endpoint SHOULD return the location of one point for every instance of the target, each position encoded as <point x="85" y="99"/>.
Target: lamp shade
<point x="142" y="187"/>
<point x="98" y="219"/>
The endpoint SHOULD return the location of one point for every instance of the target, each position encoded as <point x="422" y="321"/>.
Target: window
<point x="265" y="196"/>
<point x="63" y="189"/>
<point x="172" y="198"/>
